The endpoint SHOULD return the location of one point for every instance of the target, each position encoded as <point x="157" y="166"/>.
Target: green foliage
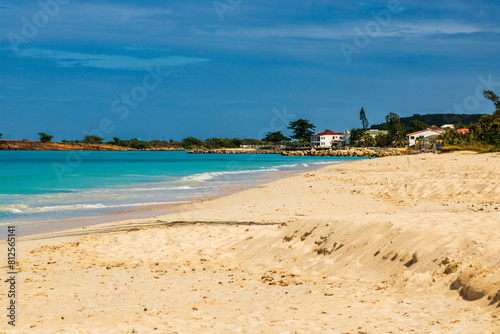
<point x="437" y="119"/>
<point x="368" y="140"/>
<point x="364" y="120"/>
<point x="356" y="137"/>
<point x="495" y="117"/>
<point x="118" y="142"/>
<point x="416" y="125"/>
<point x="90" y="139"/>
<point x="138" y="144"/>
<point x="236" y="142"/>
<point x="275" y="137"/>
<point x="452" y="137"/>
<point x="45" y="138"/>
<point x="190" y="142"/>
<point x="494" y="98"/>
<point x="399" y="138"/>
<point x="397" y="133"/>
<point x="1" y="134"/>
<point x="302" y="129"/>
<point x="486" y="132"/>
<point x="381" y="140"/>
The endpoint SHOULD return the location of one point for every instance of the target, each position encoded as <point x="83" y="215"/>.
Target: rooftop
<point x="328" y="133"/>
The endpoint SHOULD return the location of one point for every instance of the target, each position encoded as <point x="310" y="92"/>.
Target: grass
<point x="480" y="148"/>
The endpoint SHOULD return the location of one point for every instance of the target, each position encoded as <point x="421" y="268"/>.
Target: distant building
<point x="326" y="139"/>
<point x="463" y="131"/>
<point x="447" y="126"/>
<point x="431" y="131"/>
<point x="374" y="133"/>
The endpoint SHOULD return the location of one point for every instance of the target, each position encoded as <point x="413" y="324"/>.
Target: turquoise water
<point x="50" y="185"/>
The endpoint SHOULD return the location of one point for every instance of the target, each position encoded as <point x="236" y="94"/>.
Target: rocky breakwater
<point x="233" y="151"/>
<point x="352" y="152"/>
<point x="165" y="149"/>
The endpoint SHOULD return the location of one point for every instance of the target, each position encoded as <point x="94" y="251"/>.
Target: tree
<point x="381" y="140"/>
<point x="302" y="129"/>
<point x="400" y="138"/>
<point x="138" y="144"/>
<point x="488" y="130"/>
<point x="496" y="101"/>
<point x="90" y="139"/>
<point x="368" y="140"/>
<point x="356" y="136"/>
<point x="490" y="95"/>
<point x="416" y="125"/>
<point x="45" y="138"/>
<point x="275" y="137"/>
<point x="364" y="120"/>
<point x="189" y="142"/>
<point x="1" y="134"/>
<point x="394" y="127"/>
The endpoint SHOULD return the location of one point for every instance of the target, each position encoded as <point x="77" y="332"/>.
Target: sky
<point x="238" y="68"/>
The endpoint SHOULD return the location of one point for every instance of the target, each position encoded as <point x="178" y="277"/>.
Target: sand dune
<point x="397" y="244"/>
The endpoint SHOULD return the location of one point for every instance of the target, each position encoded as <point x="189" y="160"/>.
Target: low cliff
<point x="20" y="145"/>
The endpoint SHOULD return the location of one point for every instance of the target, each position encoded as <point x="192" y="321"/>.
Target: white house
<point x="432" y="131"/>
<point x="374" y="132"/>
<point x="326" y="139"/>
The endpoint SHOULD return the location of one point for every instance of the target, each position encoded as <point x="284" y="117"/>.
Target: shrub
<point x="45" y="138"/>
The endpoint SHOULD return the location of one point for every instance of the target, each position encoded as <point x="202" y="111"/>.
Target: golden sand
<point x="397" y="244"/>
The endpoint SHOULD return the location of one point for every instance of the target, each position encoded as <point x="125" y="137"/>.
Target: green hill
<point x="438" y="119"/>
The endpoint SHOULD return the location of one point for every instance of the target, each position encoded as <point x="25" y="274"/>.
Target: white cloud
<point x="112" y="62"/>
<point x="346" y="30"/>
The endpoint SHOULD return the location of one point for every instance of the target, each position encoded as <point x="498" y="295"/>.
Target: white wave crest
<point x="202" y="177"/>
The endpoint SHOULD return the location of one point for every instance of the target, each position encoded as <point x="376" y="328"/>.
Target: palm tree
<point x="400" y="138"/>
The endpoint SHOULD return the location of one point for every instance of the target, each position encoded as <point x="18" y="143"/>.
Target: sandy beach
<point x="388" y="245"/>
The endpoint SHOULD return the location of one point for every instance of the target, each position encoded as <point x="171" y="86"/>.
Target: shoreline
<point x="393" y="244"/>
<point x="152" y="211"/>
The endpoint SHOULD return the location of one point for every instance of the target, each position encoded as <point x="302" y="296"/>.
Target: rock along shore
<point x="351" y="152"/>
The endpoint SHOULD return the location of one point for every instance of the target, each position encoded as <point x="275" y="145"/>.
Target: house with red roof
<point x="326" y="139"/>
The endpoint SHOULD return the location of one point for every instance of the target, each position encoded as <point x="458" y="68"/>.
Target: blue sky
<point x="237" y="68"/>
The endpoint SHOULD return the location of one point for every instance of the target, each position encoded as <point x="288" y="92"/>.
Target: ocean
<point x="37" y="186"/>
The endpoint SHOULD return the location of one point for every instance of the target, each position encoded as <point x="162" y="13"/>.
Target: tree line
<point x="484" y="131"/>
<point x="301" y="131"/>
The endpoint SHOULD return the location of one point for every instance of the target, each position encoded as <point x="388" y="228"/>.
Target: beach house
<point x="326" y="139"/>
<point x="431" y="131"/>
